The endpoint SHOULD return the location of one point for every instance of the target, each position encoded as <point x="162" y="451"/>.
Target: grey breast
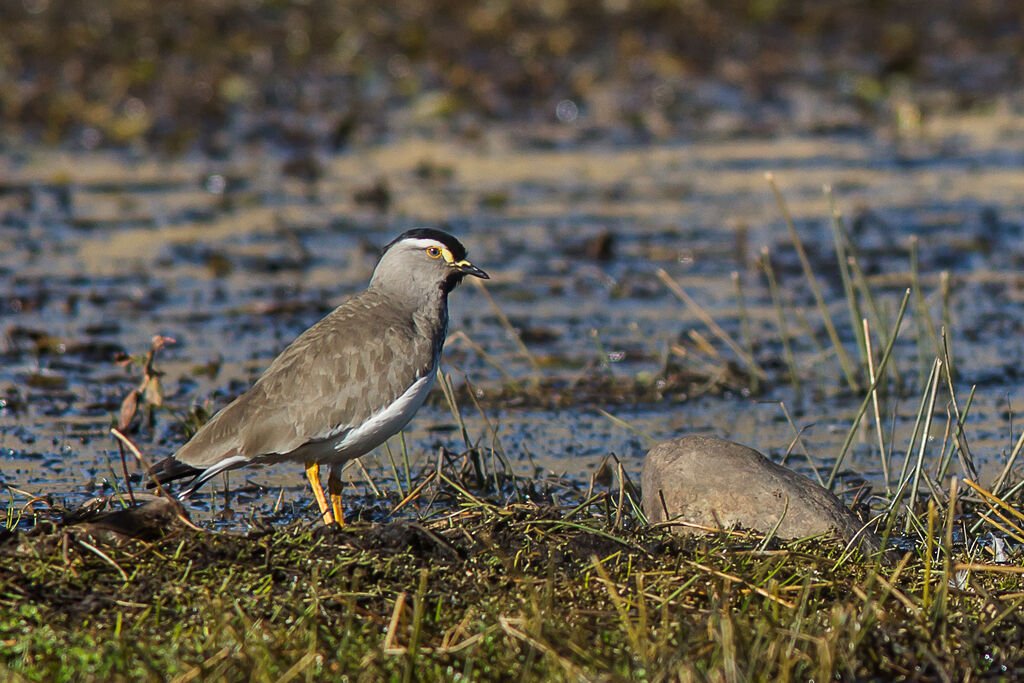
<point x="335" y="375"/>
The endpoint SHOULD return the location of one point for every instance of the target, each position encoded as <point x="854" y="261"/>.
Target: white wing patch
<point x="363" y="438"/>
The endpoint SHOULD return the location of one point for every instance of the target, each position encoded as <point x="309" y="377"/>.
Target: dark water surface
<point x="232" y="259"/>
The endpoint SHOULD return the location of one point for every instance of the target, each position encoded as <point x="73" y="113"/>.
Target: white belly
<point x="364" y="438"/>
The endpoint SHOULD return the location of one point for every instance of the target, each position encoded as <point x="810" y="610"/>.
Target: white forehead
<point x="422" y="243"/>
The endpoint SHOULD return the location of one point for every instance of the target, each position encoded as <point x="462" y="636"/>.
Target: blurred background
<point x="188" y="74"/>
<point x="222" y="173"/>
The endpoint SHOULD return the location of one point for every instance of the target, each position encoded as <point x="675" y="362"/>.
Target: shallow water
<point x="232" y="259"/>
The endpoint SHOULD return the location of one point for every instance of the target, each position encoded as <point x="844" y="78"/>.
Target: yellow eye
<point x="433" y="252"/>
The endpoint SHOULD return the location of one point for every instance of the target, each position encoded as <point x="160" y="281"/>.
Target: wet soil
<point x="232" y="259"/>
<point x="222" y="174"/>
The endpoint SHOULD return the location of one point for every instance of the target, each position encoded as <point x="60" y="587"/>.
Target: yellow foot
<point x="313" y="474"/>
<point x="334" y="487"/>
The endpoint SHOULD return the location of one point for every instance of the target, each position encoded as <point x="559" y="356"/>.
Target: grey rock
<point x="715" y="483"/>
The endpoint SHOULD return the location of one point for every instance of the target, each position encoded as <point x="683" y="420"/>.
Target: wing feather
<point x="350" y="365"/>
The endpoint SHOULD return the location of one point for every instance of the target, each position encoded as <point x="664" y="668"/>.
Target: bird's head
<point x="424" y="259"/>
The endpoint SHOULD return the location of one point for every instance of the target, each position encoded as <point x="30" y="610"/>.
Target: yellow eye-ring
<point x="433" y="252"/>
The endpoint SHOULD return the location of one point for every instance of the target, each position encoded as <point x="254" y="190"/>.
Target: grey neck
<point x="428" y="308"/>
<point x="411" y="299"/>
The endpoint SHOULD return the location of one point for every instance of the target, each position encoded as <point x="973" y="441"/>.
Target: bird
<point x="346" y="384"/>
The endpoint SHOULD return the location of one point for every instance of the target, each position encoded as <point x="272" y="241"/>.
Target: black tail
<point x="170" y="469"/>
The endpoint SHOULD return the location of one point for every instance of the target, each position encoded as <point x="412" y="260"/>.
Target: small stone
<point x="714" y="483"/>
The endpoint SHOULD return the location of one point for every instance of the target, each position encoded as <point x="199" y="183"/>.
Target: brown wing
<point x="358" y="359"/>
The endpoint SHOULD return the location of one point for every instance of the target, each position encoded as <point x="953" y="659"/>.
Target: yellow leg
<point x="313" y="474"/>
<point x="334" y="487"/>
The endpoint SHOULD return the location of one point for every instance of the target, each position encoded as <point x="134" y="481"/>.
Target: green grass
<point x="492" y="594"/>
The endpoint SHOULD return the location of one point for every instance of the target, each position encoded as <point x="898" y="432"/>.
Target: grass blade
<point x="844" y="358"/>
<point x="867" y="398"/>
